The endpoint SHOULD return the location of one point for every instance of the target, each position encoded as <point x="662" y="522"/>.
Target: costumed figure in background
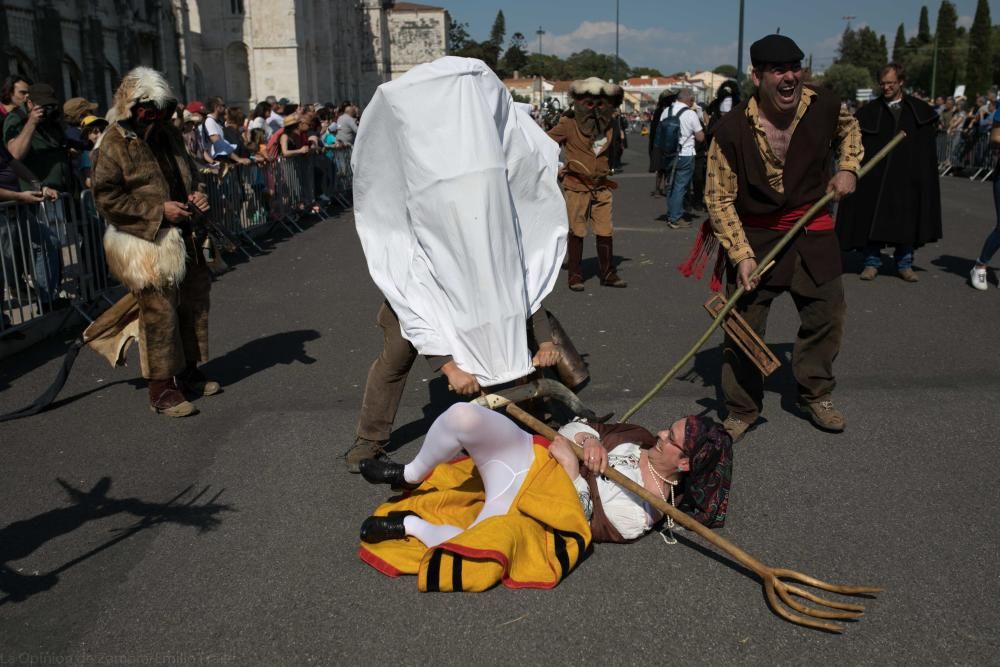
<point x="899" y="204"/>
<point x="522" y="511"/>
<point x="459" y="213"/>
<point x="585" y="132"/>
<point x="144" y="186"/>
<point x="658" y="160"/>
<point x="770" y="161"/>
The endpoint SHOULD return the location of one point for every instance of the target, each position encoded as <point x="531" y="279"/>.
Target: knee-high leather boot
<point x="574" y="257"/>
<point x="605" y="253"/>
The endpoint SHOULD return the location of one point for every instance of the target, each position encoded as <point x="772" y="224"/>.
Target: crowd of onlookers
<point x="273" y="128"/>
<point x="46" y="153"/>
<point x="47" y="141"/>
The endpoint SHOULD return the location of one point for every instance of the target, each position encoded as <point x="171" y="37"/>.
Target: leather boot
<point x="166" y="398"/>
<point x="574" y="257"/>
<point x="194" y="382"/>
<point x="605" y="253"/>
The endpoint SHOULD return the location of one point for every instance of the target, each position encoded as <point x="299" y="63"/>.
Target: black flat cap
<point x="774" y="50"/>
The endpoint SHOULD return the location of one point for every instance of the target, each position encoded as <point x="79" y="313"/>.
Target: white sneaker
<point x="977" y="277"/>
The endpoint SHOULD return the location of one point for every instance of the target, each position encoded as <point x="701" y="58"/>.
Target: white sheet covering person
<point x="459" y="213"/>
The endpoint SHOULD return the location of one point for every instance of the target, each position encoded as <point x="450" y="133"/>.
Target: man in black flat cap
<point x="770" y="160"/>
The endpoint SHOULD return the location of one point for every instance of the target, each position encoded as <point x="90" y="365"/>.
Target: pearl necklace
<point x="666" y="482"/>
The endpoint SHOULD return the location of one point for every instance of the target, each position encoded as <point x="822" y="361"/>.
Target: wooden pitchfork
<point x="764" y="265"/>
<point x="777" y="590"/>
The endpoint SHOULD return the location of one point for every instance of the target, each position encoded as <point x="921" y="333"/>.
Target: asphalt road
<point x="231" y="537"/>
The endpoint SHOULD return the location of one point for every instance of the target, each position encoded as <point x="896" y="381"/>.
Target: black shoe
<point x="382" y="528"/>
<point x="376" y="471"/>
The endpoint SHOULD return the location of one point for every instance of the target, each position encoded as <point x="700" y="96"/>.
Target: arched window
<point x="19" y="63"/>
<point x="111" y="81"/>
<point x="237" y="73"/>
<point x="70" y="78"/>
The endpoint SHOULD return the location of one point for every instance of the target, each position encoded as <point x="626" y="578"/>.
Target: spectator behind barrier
<point x="34" y="134"/>
<point x="13" y="93"/>
<point x="348" y="125"/>
<point x="258" y="121"/>
<point x="28" y="249"/>
<point x="92" y="127"/>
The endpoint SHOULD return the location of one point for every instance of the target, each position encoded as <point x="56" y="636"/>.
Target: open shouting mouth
<point x="786" y="92"/>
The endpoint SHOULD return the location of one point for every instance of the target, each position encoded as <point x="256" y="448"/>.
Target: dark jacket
<point x="807" y="172"/>
<point x="899" y="202"/>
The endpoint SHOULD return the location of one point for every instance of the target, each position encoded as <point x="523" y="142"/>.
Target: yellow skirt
<point x="537" y="543"/>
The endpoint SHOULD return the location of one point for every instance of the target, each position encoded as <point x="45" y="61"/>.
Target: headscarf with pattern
<point x="706" y="486"/>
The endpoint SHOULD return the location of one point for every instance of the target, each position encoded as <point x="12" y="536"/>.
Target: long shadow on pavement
<point x="260" y="354"/>
<point x="22" y="538"/>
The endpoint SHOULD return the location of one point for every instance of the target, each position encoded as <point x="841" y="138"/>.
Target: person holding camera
<point x="34" y="134"/>
<point x="145" y="186"/>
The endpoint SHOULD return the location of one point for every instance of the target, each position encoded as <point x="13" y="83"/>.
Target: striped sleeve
<point x="720" y="200"/>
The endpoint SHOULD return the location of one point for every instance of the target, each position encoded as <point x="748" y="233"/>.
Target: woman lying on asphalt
<point x="521" y="510"/>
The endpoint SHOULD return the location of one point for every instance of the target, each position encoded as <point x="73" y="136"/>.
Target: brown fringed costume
<point x="137" y="169"/>
<point x="585" y="132"/>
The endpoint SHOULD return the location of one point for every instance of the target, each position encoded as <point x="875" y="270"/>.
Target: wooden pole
<point x="763" y="265"/>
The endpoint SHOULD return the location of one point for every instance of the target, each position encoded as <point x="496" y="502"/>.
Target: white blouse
<point x="630" y="515"/>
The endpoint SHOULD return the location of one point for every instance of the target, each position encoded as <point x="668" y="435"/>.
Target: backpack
<point x="668" y="133"/>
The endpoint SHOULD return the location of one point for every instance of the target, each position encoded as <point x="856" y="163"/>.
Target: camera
<point x="50" y="111"/>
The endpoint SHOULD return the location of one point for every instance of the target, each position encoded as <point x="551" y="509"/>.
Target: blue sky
<point x="674" y="35"/>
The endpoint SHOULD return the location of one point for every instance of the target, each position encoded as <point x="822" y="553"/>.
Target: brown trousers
<point x="386" y="379"/>
<point x="173" y="324"/>
<point x="821" y="316"/>
<point x="594" y="207"/>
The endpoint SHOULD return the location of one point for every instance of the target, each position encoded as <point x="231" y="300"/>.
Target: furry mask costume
<point x="594" y="103"/>
<point x="139" y="263"/>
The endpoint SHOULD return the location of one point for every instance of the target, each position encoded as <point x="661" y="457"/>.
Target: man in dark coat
<point x="899" y="203"/>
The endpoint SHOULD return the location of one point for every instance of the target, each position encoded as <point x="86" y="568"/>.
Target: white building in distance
<point x="242" y="50"/>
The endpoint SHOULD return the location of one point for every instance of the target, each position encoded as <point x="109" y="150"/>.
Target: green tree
<point x="499" y="30"/>
<point x="646" y="71"/>
<point x="548" y="66"/>
<point x="863" y="48"/>
<point x="588" y="63"/>
<point x="458" y="36"/>
<point x="845" y="79"/>
<point x="995" y="51"/>
<point x="515" y="57"/>
<point x="726" y="70"/>
<point x="899" y="46"/>
<point x="979" y="61"/>
<point x="947" y="38"/>
<point x="924" y="27"/>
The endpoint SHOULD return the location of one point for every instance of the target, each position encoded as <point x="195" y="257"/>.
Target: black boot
<point x="574" y="257"/>
<point x="382" y="528"/>
<point x="376" y="471"/>
<point x="606" y="269"/>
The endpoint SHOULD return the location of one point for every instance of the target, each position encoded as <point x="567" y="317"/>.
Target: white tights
<point x="502" y="452"/>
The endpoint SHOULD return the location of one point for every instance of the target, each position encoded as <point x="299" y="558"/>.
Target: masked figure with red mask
<point x="145" y="186"/>
<point x="585" y="133"/>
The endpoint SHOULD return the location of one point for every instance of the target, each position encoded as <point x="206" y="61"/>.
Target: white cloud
<point x="642" y="47"/>
<point x="965" y="22"/>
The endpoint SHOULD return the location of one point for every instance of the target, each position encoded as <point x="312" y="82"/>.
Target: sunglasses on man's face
<point x="591" y="103"/>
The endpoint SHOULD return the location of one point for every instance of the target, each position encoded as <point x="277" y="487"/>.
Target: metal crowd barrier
<point x="50" y="259"/>
<point x="52" y="255"/>
<point x="975" y="153"/>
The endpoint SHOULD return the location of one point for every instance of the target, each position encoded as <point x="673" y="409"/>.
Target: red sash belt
<point x="785" y="220"/>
